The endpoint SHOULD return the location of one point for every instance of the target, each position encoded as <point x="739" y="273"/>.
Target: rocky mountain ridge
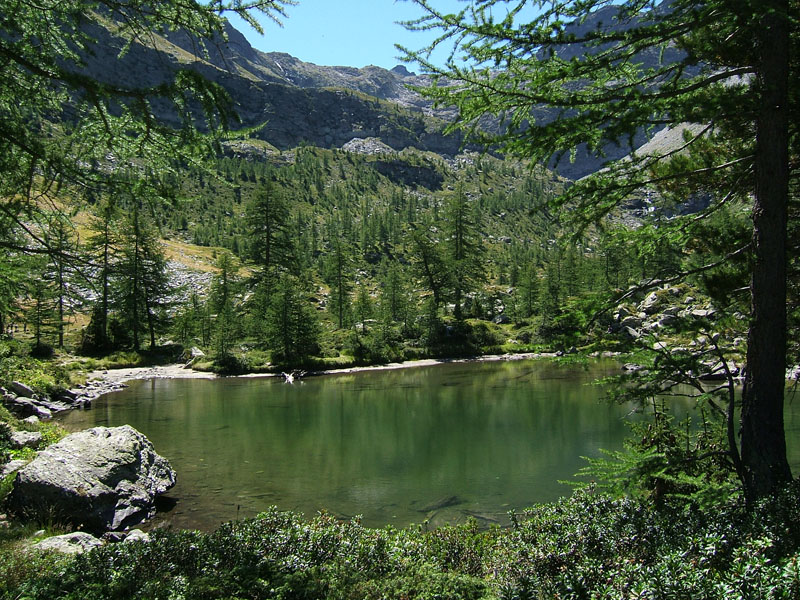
<point x="289" y="102"/>
<point x="284" y="101"/>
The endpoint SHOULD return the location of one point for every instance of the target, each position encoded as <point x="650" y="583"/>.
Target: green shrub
<point x="586" y="546"/>
<point x="229" y="364"/>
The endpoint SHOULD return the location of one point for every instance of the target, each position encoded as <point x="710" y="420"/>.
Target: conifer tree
<point x="394" y="294"/>
<point x="292" y="326"/>
<point x="221" y="301"/>
<point x="62" y="245"/>
<point x="724" y="72"/>
<point x="463" y="247"/>
<point x="142" y="287"/>
<point x="41" y="314"/>
<point x="339" y="275"/>
<point x="428" y="260"/>
<point x="267" y="221"/>
<point x="102" y="248"/>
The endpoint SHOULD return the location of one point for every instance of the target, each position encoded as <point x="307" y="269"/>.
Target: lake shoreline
<point x="114" y="378"/>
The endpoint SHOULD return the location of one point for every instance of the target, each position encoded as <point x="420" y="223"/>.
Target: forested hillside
<point x="380" y="249"/>
<point x="388" y="233"/>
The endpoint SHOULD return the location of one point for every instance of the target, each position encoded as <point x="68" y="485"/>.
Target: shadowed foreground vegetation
<point x="587" y="546"/>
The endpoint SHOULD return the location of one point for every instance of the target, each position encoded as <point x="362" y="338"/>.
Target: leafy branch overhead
<point x="76" y="126"/>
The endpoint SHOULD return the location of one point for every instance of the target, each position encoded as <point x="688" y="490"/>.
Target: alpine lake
<point x="436" y="444"/>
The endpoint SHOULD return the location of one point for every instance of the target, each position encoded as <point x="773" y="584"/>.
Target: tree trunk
<point x="103" y="341"/>
<point x="763" y="441"/>
<point x="150" y="322"/>
<point x="135" y="280"/>
<point x="61" y="293"/>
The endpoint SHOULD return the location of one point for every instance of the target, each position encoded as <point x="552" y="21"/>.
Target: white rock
<point x="136" y="535"/>
<point x="77" y="542"/>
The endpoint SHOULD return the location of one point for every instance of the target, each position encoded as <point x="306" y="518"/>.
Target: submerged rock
<point x="444" y="502"/>
<point x="106" y="478"/>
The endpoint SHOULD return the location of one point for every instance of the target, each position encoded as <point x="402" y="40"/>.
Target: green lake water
<point x="441" y="443"/>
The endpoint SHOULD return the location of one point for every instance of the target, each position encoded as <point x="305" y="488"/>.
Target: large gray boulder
<point x="101" y="479"/>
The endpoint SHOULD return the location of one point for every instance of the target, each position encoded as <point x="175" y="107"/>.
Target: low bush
<point x="587" y="546"/>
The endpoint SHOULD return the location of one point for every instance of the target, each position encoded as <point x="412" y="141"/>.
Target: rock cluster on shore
<point x="649" y="321"/>
<point x="24" y="402"/>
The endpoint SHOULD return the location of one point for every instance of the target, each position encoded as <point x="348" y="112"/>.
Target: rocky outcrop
<point x="100" y="479"/>
<point x="659" y="309"/>
<point x="661" y="315"/>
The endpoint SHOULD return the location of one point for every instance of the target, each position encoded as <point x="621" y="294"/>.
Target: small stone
<point x="32" y="420"/>
<point x="137" y="535"/>
<point x="631" y="321"/>
<point x="26" y="407"/>
<point x="648" y="305"/>
<point x="666" y="320"/>
<point x="21" y="389"/>
<point x="25" y="439"/>
<point x="632" y="333"/>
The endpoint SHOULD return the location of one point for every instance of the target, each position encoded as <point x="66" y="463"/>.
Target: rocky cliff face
<point x="289" y="101"/>
<point x="292" y="102"/>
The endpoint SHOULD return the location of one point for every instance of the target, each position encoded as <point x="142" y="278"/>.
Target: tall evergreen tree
<point x="463" y="247"/>
<point x="292" y="325"/>
<point x="394" y="296"/>
<point x="339" y="275"/>
<point x="142" y="287"/>
<point x="428" y="259"/>
<point x="267" y="222"/>
<point x="221" y="300"/>
<point x="41" y="314"/>
<point x="102" y="248"/>
<point x="60" y="240"/>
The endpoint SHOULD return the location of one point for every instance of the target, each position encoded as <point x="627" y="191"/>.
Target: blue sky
<point x="352" y="33"/>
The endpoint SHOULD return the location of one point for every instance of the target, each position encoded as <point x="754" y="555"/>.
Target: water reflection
<point x="439" y="443"/>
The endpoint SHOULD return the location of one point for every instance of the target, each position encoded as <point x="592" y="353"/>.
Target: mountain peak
<point x="402" y="71"/>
